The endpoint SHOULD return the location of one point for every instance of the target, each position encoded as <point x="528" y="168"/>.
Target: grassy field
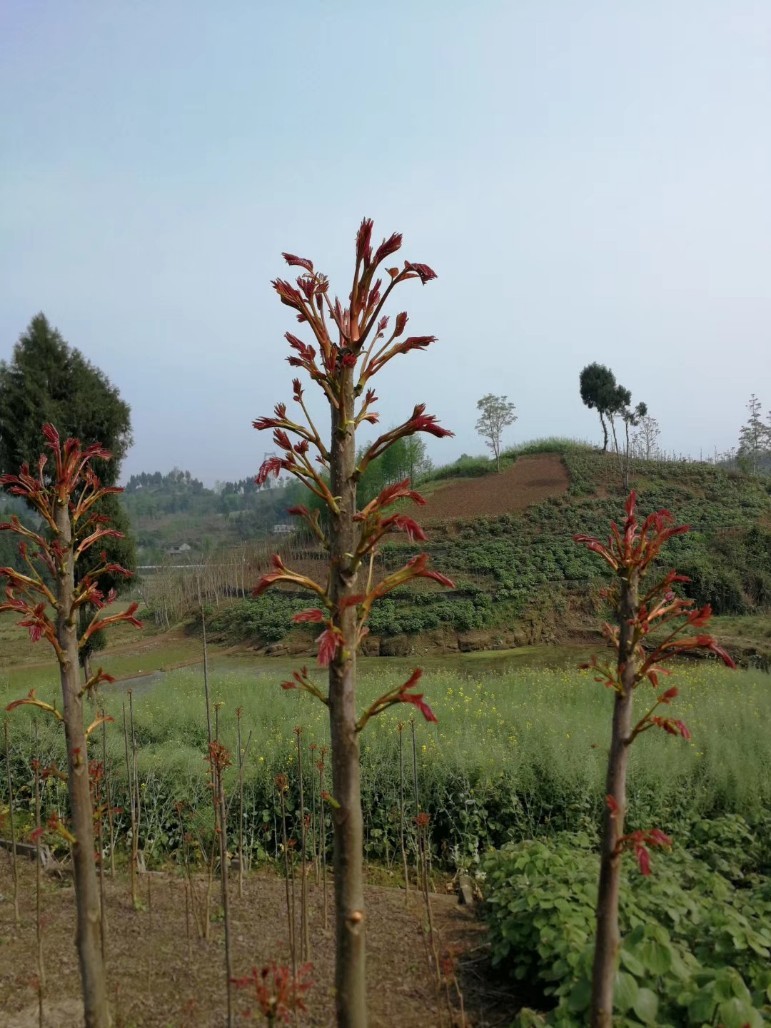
<point x="515" y="754"/>
<point x="26" y="665"/>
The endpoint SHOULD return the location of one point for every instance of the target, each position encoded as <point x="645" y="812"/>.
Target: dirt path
<point x="528" y="481"/>
<point x="162" y="975"/>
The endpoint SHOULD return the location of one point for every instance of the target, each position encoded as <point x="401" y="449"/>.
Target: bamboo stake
<point x="205" y="664"/>
<point x="305" y="935"/>
<point x="281" y="786"/>
<point x="402" y="843"/>
<point x="239" y="714"/>
<point x="38" y="891"/>
<point x="132" y="868"/>
<point x="219" y="759"/>
<point x="108" y="793"/>
<point x="321" y="767"/>
<point x="11" y="824"/>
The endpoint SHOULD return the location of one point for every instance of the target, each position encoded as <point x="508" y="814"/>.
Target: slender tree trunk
<point x="613" y="430"/>
<point x="401" y="812"/>
<point x="240" y="808"/>
<point x="41" y="971"/>
<point x="604" y="432"/>
<point x="222" y="817"/>
<point x="205" y="665"/>
<point x="89" y="945"/>
<point x="305" y="944"/>
<point x="350" y="981"/>
<point x="137" y="802"/>
<point x="132" y="808"/>
<point x="608" y="939"/>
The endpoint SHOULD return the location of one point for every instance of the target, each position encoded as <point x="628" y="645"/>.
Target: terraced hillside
<point x="506" y="540"/>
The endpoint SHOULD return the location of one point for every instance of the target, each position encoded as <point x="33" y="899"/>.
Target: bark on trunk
<point x="88" y="932"/>
<point x="627" y="456"/>
<point x="604" y="432"/>
<point x="613" y="430"/>
<point x="608" y="939"/>
<point x="350" y="975"/>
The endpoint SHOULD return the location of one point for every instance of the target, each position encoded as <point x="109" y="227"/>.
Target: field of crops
<point x="513" y="756"/>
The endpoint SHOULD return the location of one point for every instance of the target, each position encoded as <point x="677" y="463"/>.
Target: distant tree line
<point x="175" y="480"/>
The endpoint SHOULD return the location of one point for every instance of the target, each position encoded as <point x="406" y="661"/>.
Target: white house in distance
<point x="178" y="551"/>
<point x="283" y="528"/>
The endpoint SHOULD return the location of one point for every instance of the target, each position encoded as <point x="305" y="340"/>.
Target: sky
<point x="590" y="181"/>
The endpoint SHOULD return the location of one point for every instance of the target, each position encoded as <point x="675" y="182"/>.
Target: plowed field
<point x="161" y="973"/>
<point x="529" y="480"/>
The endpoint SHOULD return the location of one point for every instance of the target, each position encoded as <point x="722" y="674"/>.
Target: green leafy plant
<point x="695" y="946"/>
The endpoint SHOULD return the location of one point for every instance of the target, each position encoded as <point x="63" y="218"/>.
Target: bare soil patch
<point x="161" y="974"/>
<point x="529" y="480"/>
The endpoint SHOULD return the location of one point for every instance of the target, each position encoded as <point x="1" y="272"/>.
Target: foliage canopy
<point x="495" y="414"/>
<point x="48" y="381"/>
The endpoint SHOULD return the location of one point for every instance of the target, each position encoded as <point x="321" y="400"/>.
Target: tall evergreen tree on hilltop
<point x="48" y="381"/>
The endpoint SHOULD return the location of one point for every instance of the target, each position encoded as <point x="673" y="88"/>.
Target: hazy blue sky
<point x="590" y="180"/>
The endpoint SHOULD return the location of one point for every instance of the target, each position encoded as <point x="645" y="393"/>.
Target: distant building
<point x="283" y="528"/>
<point x="175" y="551"/>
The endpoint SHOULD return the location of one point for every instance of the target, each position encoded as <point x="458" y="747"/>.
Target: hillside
<point x="506" y="541"/>
<point x="175" y="512"/>
<point x="528" y="481"/>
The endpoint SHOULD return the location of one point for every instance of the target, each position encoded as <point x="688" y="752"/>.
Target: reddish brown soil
<point x="162" y="975"/>
<point x="529" y="480"/>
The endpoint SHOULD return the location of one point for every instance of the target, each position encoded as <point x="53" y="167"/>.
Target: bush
<point x="550" y="444"/>
<point x="266" y="618"/>
<point x="464" y="467"/>
<point x="695" y="946"/>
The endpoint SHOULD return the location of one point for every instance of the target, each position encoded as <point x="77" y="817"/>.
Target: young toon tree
<point x="342" y="368"/>
<point x="49" y="602"/>
<point x="631" y="553"/>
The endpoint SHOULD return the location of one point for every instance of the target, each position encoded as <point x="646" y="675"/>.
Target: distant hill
<point x="174" y="514"/>
<point x="506" y="540"/>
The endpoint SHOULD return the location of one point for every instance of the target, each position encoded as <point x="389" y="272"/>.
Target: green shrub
<point x="464" y="467"/>
<point x="695" y="946"/>
<point x="266" y="619"/>
<point x="549" y="444"/>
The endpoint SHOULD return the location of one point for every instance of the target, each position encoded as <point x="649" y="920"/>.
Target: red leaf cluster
<point x="400" y="694"/>
<point x="73" y="484"/>
<point x="279" y="993"/>
<point x="639" y="841"/>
